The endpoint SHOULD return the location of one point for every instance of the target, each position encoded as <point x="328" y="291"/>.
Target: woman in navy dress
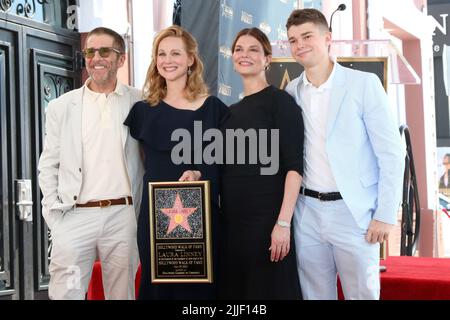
<point x="258" y="248"/>
<point x="175" y="96"/>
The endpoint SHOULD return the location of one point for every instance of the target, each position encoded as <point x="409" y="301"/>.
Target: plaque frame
<point x="175" y="246"/>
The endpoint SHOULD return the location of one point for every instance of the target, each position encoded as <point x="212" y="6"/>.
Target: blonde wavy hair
<point x="155" y="88"/>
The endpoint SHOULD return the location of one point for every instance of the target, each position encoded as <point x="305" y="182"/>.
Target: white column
<point x="143" y="33"/>
<point x="149" y="17"/>
<point x="102" y="13"/>
<point x="342" y="20"/>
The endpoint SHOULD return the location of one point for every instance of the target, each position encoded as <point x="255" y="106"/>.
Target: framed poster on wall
<point x="283" y="70"/>
<point x="377" y="65"/>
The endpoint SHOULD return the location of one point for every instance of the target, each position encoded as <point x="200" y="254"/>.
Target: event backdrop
<point x="215" y="24"/>
<point x="269" y="16"/>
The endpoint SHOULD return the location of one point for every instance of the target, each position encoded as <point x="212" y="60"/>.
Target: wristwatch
<point x="283" y="224"/>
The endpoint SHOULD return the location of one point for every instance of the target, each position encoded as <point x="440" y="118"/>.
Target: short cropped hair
<point x="119" y="43"/>
<point x="301" y="16"/>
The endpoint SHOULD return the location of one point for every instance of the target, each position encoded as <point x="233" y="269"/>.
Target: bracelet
<point x="283" y="224"/>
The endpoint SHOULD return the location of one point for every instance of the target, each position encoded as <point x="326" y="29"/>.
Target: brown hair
<point x="258" y="35"/>
<point x="155" y="88"/>
<point x="118" y="40"/>
<point x="301" y="16"/>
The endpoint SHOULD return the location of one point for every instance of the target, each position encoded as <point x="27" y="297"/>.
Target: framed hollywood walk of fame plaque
<point x="180" y="232"/>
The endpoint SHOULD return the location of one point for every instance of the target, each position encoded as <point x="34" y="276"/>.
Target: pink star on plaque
<point x="178" y="215"/>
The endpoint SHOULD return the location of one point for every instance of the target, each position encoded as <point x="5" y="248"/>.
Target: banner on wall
<point x="235" y="15"/>
<point x="440" y="17"/>
<point x="446" y="68"/>
<point x="439" y="14"/>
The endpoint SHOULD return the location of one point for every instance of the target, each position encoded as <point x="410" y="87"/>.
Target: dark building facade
<point x="39" y="60"/>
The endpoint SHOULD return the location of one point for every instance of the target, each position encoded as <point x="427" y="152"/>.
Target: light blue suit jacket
<point x="363" y="144"/>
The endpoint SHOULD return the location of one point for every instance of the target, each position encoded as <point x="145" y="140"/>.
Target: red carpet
<point x="412" y="278"/>
<point x="95" y="290"/>
<point x="406" y="278"/>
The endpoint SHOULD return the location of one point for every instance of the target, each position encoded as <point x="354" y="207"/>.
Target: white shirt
<point x="315" y="103"/>
<point x="104" y="169"/>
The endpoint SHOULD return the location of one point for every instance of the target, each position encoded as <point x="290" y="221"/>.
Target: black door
<point x="36" y="66"/>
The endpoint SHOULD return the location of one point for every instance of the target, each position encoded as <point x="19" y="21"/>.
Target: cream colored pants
<point x="83" y="234"/>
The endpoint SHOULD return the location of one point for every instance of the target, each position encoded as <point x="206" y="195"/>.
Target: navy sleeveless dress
<point x="153" y="127"/>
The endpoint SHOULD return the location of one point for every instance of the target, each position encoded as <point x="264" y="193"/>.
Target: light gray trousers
<point x="328" y="242"/>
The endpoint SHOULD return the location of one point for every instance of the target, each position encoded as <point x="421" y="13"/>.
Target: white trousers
<point x="83" y="234"/>
<point x="329" y="242"/>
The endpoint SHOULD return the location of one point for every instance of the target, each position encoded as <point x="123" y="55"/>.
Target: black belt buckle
<point x="326" y="196"/>
<point x="323" y="196"/>
<point x="331" y="196"/>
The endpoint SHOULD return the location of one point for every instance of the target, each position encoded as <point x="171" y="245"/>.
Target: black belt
<point x="322" y="196"/>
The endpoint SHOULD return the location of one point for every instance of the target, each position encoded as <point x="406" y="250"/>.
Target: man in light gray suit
<point x="354" y="165"/>
<point x="90" y="174"/>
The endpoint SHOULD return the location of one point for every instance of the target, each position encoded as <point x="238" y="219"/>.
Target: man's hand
<point x="378" y="231"/>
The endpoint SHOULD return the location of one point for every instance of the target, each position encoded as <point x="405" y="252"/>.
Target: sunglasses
<point x="103" y="51"/>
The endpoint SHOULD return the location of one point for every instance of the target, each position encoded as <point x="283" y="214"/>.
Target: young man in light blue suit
<point x="354" y="165"/>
